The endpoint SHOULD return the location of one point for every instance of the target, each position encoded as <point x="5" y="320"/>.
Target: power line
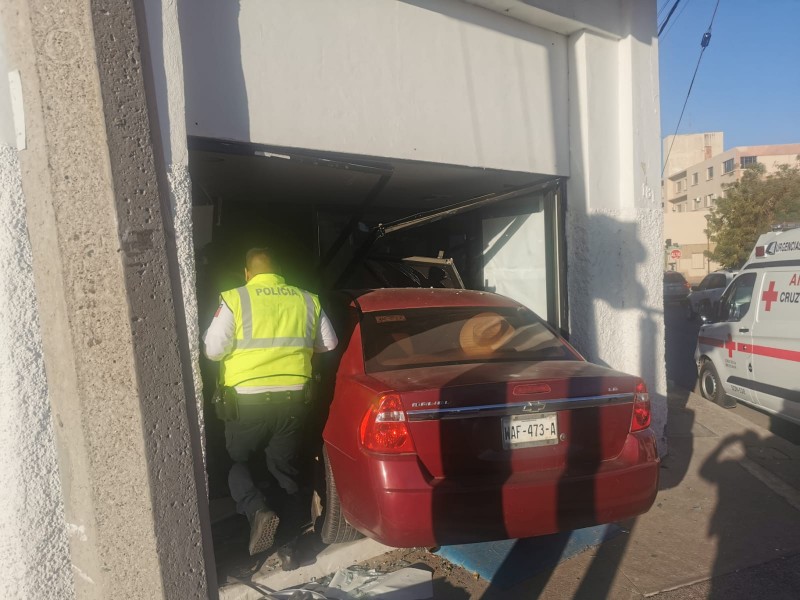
<point x="669" y="15"/>
<point x="704" y="42"/>
<point x="677" y="18"/>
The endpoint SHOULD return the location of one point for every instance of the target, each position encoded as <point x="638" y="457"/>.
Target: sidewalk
<point x="729" y="500"/>
<point x="726" y="524"/>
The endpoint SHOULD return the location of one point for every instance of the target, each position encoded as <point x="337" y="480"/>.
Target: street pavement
<point x="728" y="508"/>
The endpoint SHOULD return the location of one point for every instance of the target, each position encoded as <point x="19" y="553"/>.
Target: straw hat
<point x="484" y="333"/>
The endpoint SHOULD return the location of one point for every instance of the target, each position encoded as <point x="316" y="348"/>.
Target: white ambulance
<point x="750" y="349"/>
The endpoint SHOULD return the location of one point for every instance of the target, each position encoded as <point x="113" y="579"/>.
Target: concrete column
<point x="33" y="533"/>
<point x="106" y="303"/>
<point x="614" y="216"/>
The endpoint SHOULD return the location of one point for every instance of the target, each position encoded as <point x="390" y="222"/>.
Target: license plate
<point x="523" y="431"/>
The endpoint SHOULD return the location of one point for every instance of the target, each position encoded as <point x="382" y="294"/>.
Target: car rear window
<point x="673" y="277"/>
<point x="446" y="336"/>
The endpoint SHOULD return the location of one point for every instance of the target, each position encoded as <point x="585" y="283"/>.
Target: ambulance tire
<point x="711" y="386"/>
<point x="326" y="510"/>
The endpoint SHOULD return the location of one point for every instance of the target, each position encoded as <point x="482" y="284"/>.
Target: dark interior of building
<point x="320" y="213"/>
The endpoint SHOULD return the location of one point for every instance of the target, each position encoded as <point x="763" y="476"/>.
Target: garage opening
<point x="351" y="222"/>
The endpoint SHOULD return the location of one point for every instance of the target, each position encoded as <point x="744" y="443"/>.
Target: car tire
<point x="326" y="510"/>
<point x="711" y="386"/>
<point x="690" y="314"/>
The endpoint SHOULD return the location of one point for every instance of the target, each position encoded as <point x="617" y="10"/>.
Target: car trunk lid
<point x="459" y="416"/>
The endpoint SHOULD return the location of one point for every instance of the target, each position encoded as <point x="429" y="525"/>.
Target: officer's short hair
<point x="259" y="258"/>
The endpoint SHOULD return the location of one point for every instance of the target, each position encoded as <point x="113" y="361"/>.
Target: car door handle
<point x="744" y="330"/>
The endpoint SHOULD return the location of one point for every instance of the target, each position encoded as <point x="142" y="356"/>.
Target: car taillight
<point x="687" y="285"/>
<point x="384" y="427"/>
<point x="641" y="408"/>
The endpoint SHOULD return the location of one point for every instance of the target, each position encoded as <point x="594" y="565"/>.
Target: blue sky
<point x="748" y="84"/>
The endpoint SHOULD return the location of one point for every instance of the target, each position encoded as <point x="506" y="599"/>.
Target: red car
<point x="460" y="416"/>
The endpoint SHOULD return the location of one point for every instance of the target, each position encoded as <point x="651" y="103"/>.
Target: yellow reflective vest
<point x="275" y="329"/>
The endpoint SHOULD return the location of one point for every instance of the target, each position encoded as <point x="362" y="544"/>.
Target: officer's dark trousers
<point x="275" y="426"/>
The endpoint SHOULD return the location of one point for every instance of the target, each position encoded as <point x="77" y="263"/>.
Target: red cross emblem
<point x="769" y="296"/>
<point x="730" y="346"/>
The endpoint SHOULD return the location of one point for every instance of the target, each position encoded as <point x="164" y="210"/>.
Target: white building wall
<point x="559" y="89"/>
<point x="439" y="81"/>
<point x="33" y="532"/>
<point x="614" y="216"/>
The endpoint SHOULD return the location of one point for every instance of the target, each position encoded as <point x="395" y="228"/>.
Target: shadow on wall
<point x="212" y="59"/>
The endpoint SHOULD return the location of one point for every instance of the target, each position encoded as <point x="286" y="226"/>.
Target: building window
<point x="694" y="178"/>
<point x="727" y="166"/>
<point x="746" y="161"/>
<point x="709" y="173"/>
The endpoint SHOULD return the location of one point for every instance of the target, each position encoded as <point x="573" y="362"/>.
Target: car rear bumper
<point x="408" y="509"/>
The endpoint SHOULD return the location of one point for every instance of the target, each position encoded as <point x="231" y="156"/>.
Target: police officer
<point x="264" y="334"/>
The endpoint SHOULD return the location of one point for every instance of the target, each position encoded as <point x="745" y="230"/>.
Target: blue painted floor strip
<point x="509" y="562"/>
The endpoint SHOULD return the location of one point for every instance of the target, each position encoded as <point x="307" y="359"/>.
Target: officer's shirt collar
<point x="266" y="279"/>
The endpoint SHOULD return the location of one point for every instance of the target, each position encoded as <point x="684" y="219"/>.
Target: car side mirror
<point x="710" y="314"/>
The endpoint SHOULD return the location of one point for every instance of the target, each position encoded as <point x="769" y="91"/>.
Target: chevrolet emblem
<point x="531" y="407"/>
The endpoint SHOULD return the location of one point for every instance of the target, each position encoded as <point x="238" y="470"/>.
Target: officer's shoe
<point x="289" y="556"/>
<point x="262" y="530"/>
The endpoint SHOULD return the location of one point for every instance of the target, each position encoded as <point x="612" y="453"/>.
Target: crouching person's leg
<point x="242" y="437"/>
<point x="282" y="456"/>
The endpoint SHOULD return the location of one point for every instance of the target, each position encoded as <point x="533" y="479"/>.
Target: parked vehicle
<point x="752" y="350"/>
<point x="704" y="298"/>
<point x="676" y="288"/>
<point x="460" y="416"/>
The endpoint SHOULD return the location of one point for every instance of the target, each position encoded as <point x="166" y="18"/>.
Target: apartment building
<point x="695" y="176"/>
<point x="690" y="148"/>
<point x="696" y="186"/>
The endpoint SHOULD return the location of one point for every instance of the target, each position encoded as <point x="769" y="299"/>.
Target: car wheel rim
<point x="709" y="385"/>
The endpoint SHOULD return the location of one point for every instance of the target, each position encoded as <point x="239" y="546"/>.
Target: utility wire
<point x="704" y="42"/>
<point x="677" y="18"/>
<point x="669" y="15"/>
<point x="663" y="8"/>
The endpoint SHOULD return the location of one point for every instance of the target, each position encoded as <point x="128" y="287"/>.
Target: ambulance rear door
<point x="776" y="341"/>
